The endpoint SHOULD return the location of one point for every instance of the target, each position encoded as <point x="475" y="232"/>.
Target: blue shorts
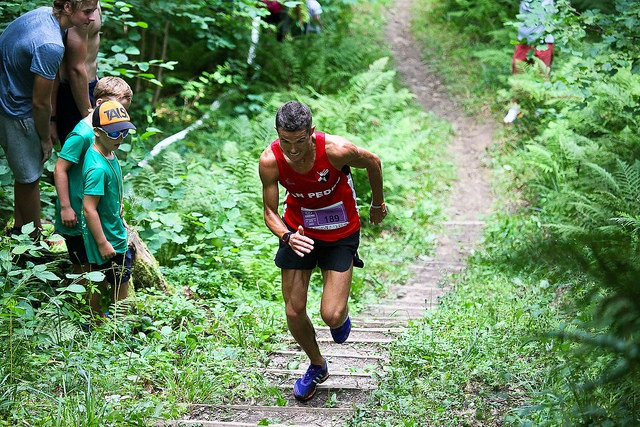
<point x="21" y="144"/>
<point x="118" y="269"/>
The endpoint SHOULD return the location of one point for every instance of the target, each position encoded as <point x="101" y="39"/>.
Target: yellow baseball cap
<point x="112" y="117"/>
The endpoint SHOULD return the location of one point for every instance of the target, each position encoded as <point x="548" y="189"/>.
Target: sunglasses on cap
<point x="116" y="134"/>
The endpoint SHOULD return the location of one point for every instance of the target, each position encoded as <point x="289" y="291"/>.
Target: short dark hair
<point x="293" y="116"/>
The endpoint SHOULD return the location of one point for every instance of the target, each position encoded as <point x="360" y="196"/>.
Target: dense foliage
<point x="556" y="339"/>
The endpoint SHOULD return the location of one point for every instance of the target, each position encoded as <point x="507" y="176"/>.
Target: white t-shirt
<point x="313" y="9"/>
<point x="533" y="30"/>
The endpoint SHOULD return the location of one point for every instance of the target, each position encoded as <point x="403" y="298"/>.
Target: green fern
<point x="56" y="330"/>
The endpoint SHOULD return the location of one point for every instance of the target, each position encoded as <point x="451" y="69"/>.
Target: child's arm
<point x="90" y="209"/>
<point x="61" y="178"/>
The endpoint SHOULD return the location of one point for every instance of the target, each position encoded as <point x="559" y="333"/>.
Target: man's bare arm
<point x="269" y="175"/>
<point x="41" y="102"/>
<point x="75" y="55"/>
<point x="342" y="152"/>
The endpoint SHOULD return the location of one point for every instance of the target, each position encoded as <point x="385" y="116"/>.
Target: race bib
<point x="327" y="218"/>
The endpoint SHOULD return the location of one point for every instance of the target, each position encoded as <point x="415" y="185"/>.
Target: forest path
<point x="351" y="365"/>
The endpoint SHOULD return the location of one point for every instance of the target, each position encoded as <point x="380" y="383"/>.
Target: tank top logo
<point x="323" y="175"/>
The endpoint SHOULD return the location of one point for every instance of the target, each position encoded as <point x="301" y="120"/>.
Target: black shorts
<point x="75" y="247"/>
<point x="336" y="256"/>
<point x="67" y="112"/>
<point x="118" y="269"/>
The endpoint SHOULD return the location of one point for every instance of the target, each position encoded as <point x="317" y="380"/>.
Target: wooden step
<point x="373" y="319"/>
<point x="364" y="330"/>
<point x="351" y="340"/>
<point x="333" y="354"/>
<point x="276" y="409"/>
<point x="463" y="223"/>
<point x="206" y="423"/>
<point x="251" y="415"/>
<point x="394" y="308"/>
<point x="301" y="372"/>
<point x="333" y="386"/>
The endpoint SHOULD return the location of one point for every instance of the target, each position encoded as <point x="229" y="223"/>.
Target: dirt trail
<point x="470" y="197"/>
<point x="352" y="364"/>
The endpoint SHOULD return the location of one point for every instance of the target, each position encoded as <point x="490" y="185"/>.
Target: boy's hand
<point x="68" y="216"/>
<point x="106" y="251"/>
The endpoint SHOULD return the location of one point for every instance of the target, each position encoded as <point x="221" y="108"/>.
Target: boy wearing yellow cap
<point x="104" y="233"/>
<point x="68" y="172"/>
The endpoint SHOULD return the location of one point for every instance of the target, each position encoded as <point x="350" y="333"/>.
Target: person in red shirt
<point x="320" y="225"/>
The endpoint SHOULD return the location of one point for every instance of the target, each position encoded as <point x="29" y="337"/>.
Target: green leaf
<point x="28" y="228"/>
<point x="46" y="275"/>
<point x="228" y="203"/>
<point x="76" y="288"/>
<point x="135" y="36"/>
<point x="234" y="214"/>
<point x="95" y="276"/>
<point x="229" y="227"/>
<point x="19" y="250"/>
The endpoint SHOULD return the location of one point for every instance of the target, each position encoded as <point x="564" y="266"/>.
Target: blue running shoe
<point x="305" y="387"/>
<point x="341" y="333"/>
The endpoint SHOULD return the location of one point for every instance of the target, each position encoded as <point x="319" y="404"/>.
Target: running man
<point x="320" y="225"/>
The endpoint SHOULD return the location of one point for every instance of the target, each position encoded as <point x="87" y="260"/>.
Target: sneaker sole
<point x="313" y="393"/>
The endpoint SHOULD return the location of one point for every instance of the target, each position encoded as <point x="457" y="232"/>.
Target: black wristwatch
<point x="286" y="237"/>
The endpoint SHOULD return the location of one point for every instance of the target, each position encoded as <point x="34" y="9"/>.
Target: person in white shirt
<point x="315" y="23"/>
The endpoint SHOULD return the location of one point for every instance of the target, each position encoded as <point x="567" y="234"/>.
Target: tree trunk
<point x="143" y="51"/>
<point x="165" y="42"/>
<point x="146" y="273"/>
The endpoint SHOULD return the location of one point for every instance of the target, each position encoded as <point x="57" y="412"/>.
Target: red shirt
<point x="322" y="200"/>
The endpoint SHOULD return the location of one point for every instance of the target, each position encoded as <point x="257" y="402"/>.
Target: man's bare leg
<point x="120" y="291"/>
<point x="27" y="204"/>
<point x="334" y="307"/>
<point x="295" y="284"/>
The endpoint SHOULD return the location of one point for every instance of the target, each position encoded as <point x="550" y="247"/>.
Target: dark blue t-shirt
<point x="31" y="44"/>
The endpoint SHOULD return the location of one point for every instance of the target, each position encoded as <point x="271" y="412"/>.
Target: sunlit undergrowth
<point x="198" y="207"/>
<point x="507" y="345"/>
<point x="479" y="354"/>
